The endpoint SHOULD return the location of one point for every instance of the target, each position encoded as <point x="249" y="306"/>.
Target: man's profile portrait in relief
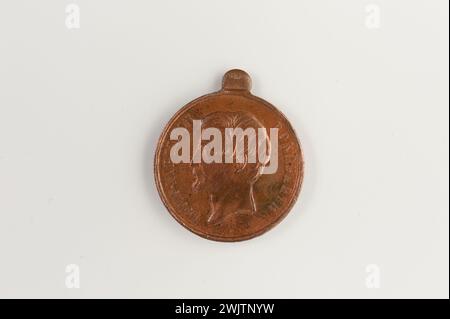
<point x="229" y="185"/>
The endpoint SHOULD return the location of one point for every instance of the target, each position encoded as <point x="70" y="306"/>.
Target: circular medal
<point x="228" y="165"/>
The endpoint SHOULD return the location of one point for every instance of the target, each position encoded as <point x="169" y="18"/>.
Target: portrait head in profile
<point x="229" y="185"/>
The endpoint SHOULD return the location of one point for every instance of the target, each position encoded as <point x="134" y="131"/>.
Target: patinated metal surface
<point x="229" y="201"/>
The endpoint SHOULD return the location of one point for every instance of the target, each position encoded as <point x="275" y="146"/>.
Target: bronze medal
<point x="228" y="165"/>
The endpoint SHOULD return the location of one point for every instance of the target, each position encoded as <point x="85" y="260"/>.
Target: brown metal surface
<point x="225" y="201"/>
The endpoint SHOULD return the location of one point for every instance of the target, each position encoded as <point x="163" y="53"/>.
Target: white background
<point x="81" y="111"/>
